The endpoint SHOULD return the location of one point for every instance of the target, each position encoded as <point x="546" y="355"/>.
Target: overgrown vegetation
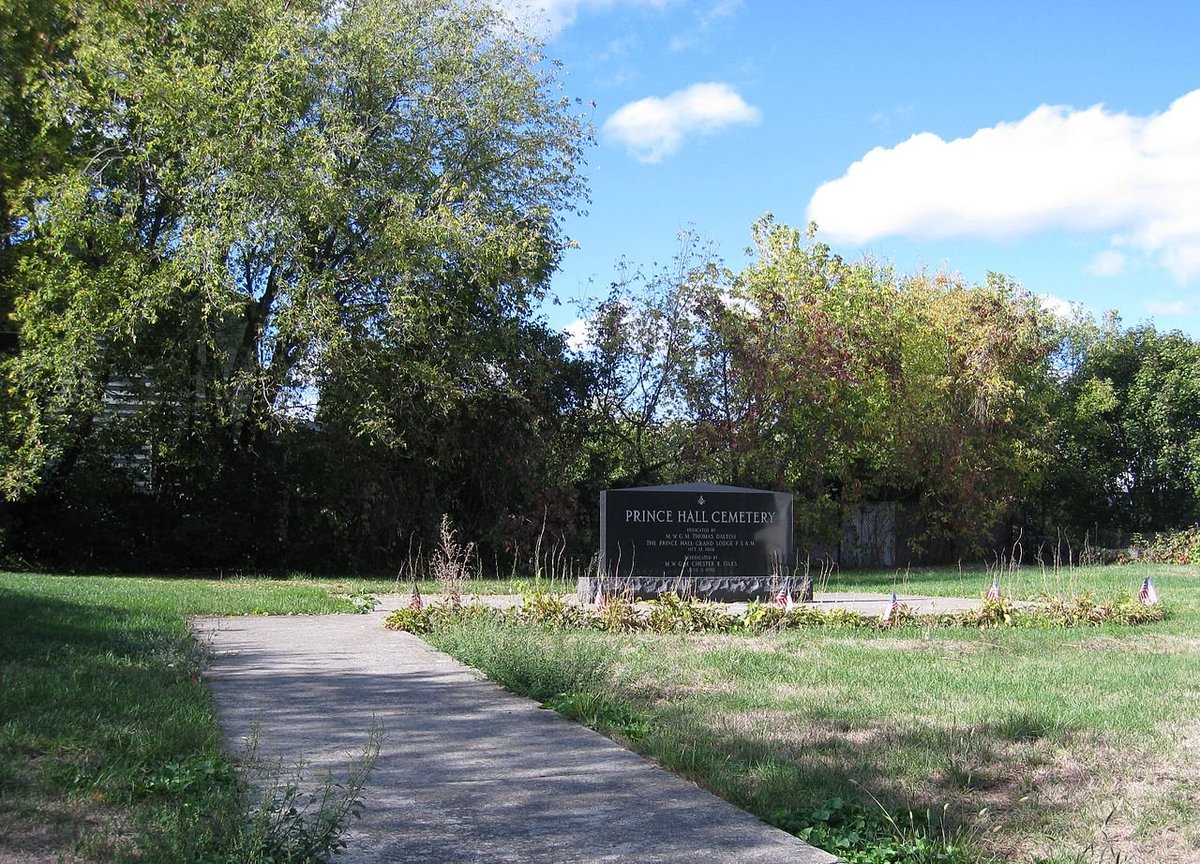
<point x="671" y="614"/>
<point x="294" y="818"/>
<point x="1169" y="547"/>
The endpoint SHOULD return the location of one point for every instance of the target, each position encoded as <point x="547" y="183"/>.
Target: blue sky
<point x="1056" y="143"/>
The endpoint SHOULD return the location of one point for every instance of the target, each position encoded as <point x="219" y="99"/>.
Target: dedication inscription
<point x="697" y="531"/>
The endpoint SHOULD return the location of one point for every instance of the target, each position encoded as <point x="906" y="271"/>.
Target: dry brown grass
<point x="58" y="832"/>
<point x="1028" y="800"/>
<point x="1146" y="643"/>
<point x="1076" y="796"/>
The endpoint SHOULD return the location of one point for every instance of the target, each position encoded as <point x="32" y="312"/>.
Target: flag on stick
<point x="600" y="601"/>
<point x="783" y="599"/>
<point x="414" y="600"/>
<point x="890" y="611"/>
<point x="993" y="594"/>
<point x="1147" y="596"/>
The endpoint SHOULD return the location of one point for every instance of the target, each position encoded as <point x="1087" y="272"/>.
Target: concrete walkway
<point x="467" y="772"/>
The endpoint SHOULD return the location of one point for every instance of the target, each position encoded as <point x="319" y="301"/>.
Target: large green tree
<point x="272" y="212"/>
<point x="1129" y="430"/>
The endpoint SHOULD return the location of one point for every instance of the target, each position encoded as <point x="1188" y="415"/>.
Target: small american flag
<point x="414" y="601"/>
<point x="1146" y="594"/>
<point x="890" y="611"/>
<point x="600" y="602"/>
<point x="783" y="599"/>
<point x="993" y="593"/>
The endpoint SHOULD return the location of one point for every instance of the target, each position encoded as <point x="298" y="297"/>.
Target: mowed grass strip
<point x="109" y="747"/>
<point x="1037" y="745"/>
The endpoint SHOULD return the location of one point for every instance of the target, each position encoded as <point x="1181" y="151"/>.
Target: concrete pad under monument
<point x="696" y="539"/>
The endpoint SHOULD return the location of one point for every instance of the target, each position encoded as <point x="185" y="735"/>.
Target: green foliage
<point x="298" y="821"/>
<point x="1084" y="610"/>
<point x="593" y="709"/>
<point x="672" y="614"/>
<point x="550" y="610"/>
<point x="267" y="213"/>
<point x="531" y="661"/>
<point x="991" y="613"/>
<point x="837" y="381"/>
<point x="618" y="615"/>
<point x="1129" y="437"/>
<point x="432" y="617"/>
<point x="364" y="602"/>
<point x="858" y="835"/>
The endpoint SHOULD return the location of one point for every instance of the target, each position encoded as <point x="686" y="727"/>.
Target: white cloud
<point x="1057" y="306"/>
<point x="653" y="128"/>
<point x="549" y="17"/>
<point x="1177" y="308"/>
<point x="577" y="335"/>
<point x="1090" y="170"/>
<point x="1110" y="262"/>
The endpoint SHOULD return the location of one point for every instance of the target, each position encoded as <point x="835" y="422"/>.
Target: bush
<point x="1181" y="547"/>
<point x="672" y="614"/>
<point x="551" y="610"/>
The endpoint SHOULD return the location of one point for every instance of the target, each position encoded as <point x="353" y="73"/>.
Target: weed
<point x="451" y="564"/>
<point x="672" y="614"/>
<point x="550" y="610"/>
<point x="858" y="835"/>
<point x="598" y="712"/>
<point x="363" y="602"/>
<point x="296" y="823"/>
<point x="1182" y="547"/>
<point x="618" y="614"/>
<point x="429" y="617"/>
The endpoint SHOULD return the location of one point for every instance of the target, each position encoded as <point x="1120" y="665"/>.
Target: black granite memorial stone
<point x="715" y="542"/>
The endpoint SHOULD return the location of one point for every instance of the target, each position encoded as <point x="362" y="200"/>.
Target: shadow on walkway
<point x="467" y="772"/>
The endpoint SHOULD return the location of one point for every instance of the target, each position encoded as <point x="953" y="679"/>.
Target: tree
<point x="838" y="381"/>
<point x="1129" y="433"/>
<point x="973" y="404"/>
<point x="268" y="204"/>
<point x="642" y="342"/>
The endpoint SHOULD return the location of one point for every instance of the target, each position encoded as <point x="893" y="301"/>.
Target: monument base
<point x="716" y="589"/>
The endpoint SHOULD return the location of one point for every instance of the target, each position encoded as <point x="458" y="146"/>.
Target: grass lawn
<point x="1048" y="745"/>
<point x="109" y="748"/>
<point x="1038" y="745"/>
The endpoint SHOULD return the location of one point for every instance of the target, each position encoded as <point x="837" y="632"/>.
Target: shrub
<point x="618" y="614"/>
<point x="551" y="610"/>
<point x="1180" y="547"/>
<point x="672" y="614"/>
<point x="1084" y="611"/>
<point x="993" y="613"/>
<point x="431" y="617"/>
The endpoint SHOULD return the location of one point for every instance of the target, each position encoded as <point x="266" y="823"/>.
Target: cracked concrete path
<point x="467" y="772"/>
